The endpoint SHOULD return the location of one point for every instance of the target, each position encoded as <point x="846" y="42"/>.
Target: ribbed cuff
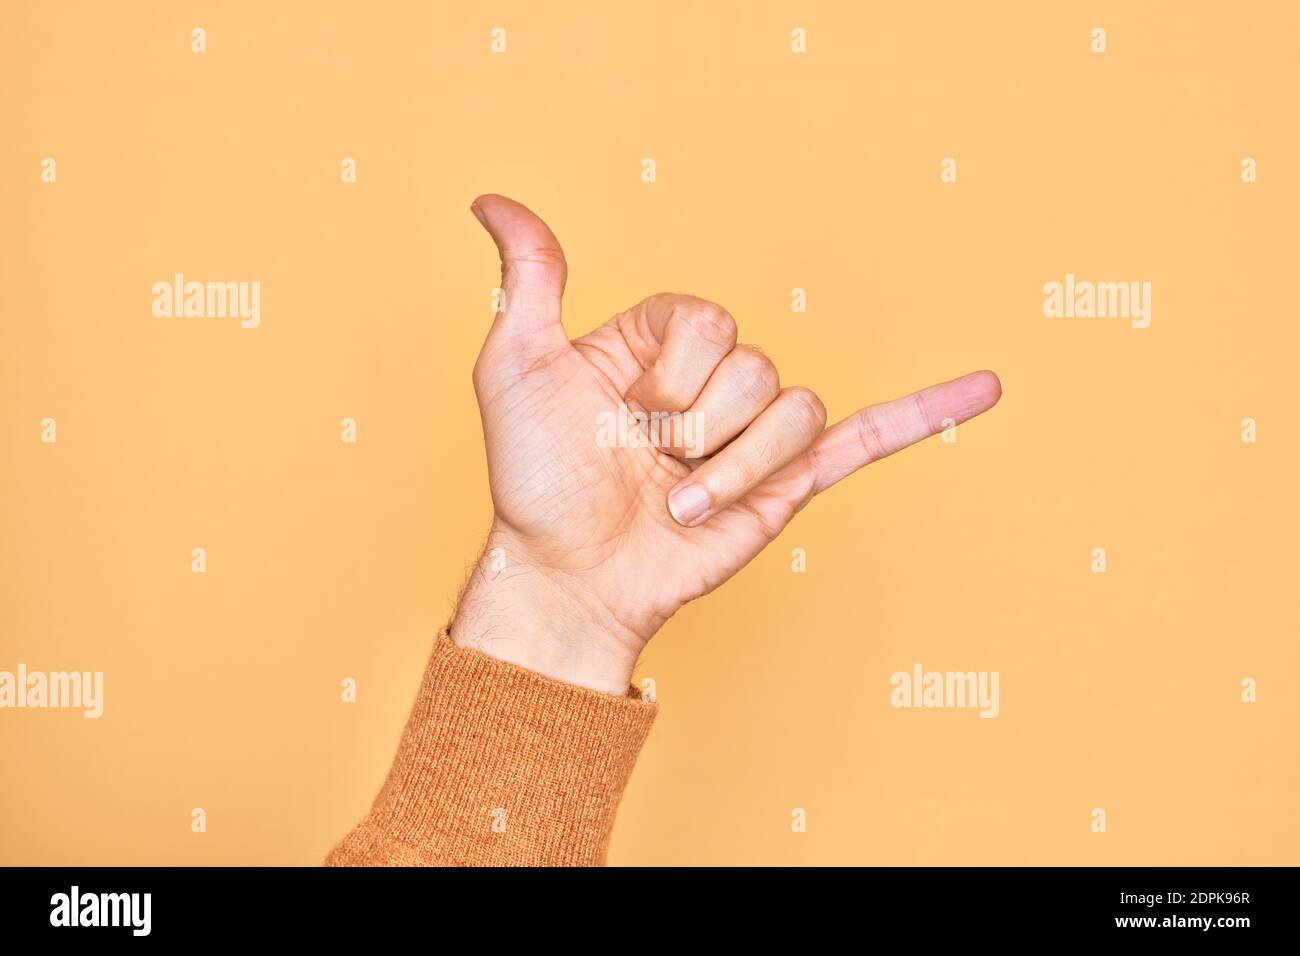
<point x="500" y="766"/>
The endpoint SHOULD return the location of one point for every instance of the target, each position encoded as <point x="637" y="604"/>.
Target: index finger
<point x="679" y="340"/>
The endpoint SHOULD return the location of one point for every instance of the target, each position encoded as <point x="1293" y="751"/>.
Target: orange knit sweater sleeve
<point x="500" y="766"/>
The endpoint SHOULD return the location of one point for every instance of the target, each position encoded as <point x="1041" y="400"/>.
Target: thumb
<point x="533" y="272"/>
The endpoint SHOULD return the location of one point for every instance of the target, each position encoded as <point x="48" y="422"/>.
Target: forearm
<point x="500" y="764"/>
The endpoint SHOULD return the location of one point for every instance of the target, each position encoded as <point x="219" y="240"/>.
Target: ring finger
<point x="780" y="433"/>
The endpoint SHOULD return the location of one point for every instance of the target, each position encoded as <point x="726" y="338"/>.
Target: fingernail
<point x="688" y="503"/>
<point x="478" y="214"/>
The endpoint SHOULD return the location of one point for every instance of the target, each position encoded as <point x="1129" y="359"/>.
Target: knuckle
<point x="873" y="443"/>
<point x="759" y="378"/>
<point x="709" y="321"/>
<point x="767" y="452"/>
<point x="922" y="413"/>
<point x="807" y="409"/>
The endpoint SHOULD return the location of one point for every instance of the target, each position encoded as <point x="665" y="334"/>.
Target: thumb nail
<point x="688" y="503"/>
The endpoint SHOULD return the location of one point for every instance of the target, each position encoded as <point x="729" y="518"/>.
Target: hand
<point x="594" y="545"/>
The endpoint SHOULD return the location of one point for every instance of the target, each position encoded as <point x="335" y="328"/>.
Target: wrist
<point x="517" y="609"/>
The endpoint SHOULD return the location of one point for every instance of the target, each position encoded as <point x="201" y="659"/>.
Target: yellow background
<point x="775" y="170"/>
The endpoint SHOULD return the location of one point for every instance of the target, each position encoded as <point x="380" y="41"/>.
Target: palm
<point x="598" y="512"/>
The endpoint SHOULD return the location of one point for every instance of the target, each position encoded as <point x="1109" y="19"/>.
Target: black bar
<point x="579" y="908"/>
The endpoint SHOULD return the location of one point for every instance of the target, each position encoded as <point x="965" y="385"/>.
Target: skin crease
<point x="585" y="561"/>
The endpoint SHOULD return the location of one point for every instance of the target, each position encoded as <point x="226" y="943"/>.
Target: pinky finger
<point x="878" y="431"/>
